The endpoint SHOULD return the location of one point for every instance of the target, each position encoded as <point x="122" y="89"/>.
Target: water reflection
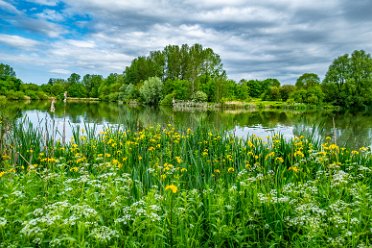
<point x="351" y="129"/>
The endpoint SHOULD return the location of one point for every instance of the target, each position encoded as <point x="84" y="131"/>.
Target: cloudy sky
<point x="282" y="39"/>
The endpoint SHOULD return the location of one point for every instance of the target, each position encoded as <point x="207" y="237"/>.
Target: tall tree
<point x="307" y="80"/>
<point x="6" y="71"/>
<point x="348" y="81"/>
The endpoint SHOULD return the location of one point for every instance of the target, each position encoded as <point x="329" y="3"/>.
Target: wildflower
<point x="6" y="157"/>
<point x="151" y="148"/>
<point x="322" y="153"/>
<point x="139" y="157"/>
<point x="294" y="169"/>
<point x="280" y="160"/>
<point x="363" y="149"/>
<point x="178" y="160"/>
<point x="333" y="147"/>
<point x="183" y="170"/>
<point x="217" y="171"/>
<point x="271" y="154"/>
<point x="230" y="170"/>
<point x="2" y="173"/>
<point x="74" y="169"/>
<point x="298" y="153"/>
<point x="205" y="153"/>
<point x="107" y="155"/>
<point x="354" y="152"/>
<point x="247" y="165"/>
<point x="80" y="160"/>
<point x="172" y="188"/>
<point x="168" y="166"/>
<point x="163" y="177"/>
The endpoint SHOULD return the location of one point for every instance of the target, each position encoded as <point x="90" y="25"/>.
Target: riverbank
<point x="251" y="105"/>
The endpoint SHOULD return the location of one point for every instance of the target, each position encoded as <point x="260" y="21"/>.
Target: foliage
<point x="151" y="91"/>
<point x="160" y="186"/>
<point x="168" y="100"/>
<point x="200" y="96"/>
<point x="308" y="80"/>
<point x="348" y="80"/>
<point x="6" y="71"/>
<point x="127" y="92"/>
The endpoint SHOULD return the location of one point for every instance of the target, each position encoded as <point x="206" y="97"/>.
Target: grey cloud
<point x="281" y="39"/>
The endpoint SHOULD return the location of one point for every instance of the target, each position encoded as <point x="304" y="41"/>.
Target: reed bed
<point x="163" y="187"/>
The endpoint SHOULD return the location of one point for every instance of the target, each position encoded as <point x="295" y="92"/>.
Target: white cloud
<point x="51" y="15"/>
<point x="45" y="2"/>
<point x="8" y="7"/>
<point x="60" y="71"/>
<point x="17" y="41"/>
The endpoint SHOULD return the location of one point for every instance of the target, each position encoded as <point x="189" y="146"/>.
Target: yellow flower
<point x="74" y="169"/>
<point x="107" y="155"/>
<point x="230" y="170"/>
<point x="6" y="157"/>
<point x="217" y="171"/>
<point x="333" y="147"/>
<point x="280" y="160"/>
<point x="293" y="168"/>
<point x="271" y="154"/>
<point x="298" y="153"/>
<point x="172" y="188"/>
<point x="247" y="165"/>
<point x="178" y="159"/>
<point x="2" y="173"/>
<point x="183" y="170"/>
<point x="205" y="153"/>
<point x="151" y="148"/>
<point x="354" y="152"/>
<point x="363" y="149"/>
<point x="322" y="153"/>
<point x="139" y="157"/>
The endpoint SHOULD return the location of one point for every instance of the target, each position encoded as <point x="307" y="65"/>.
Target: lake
<point x="345" y="128"/>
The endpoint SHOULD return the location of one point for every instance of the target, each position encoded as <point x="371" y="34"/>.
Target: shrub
<point x="151" y="91"/>
<point x="200" y="96"/>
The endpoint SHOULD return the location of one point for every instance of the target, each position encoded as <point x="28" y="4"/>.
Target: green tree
<point x="6" y="71"/>
<point x="348" y="81"/>
<point x="151" y="90"/>
<point x="308" y="80"/>
<point x="286" y="91"/>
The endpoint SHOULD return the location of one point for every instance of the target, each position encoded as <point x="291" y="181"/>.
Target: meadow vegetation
<point x="163" y="187"/>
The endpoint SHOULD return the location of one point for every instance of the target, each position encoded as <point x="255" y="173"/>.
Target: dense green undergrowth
<point x="161" y="187"/>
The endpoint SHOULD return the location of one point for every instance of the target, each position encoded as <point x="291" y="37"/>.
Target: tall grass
<point x="162" y="187"/>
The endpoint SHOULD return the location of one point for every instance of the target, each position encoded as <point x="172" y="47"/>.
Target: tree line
<point x="194" y="73"/>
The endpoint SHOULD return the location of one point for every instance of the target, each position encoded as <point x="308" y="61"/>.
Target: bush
<point x="151" y="91"/>
<point x="15" y="95"/>
<point x="200" y="96"/>
<point x="168" y="100"/>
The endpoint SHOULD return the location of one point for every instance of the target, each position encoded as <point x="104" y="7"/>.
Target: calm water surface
<point x="347" y="129"/>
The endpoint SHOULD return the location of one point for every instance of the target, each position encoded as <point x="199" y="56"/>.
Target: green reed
<point x="163" y="187"/>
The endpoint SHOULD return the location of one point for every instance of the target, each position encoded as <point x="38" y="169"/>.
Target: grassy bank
<point x="161" y="187"/>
